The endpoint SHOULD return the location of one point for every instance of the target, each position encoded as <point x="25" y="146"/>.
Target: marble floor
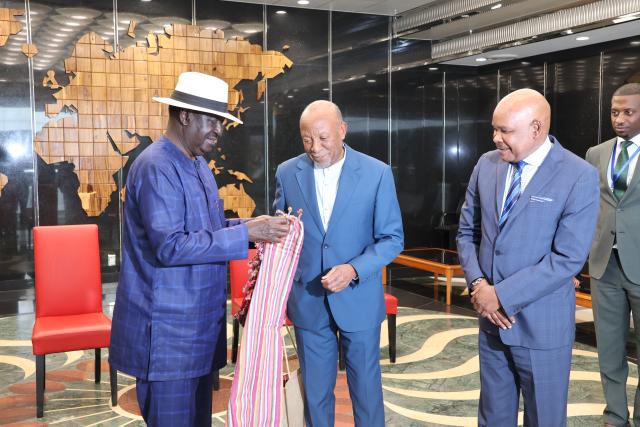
<point x="434" y="381"/>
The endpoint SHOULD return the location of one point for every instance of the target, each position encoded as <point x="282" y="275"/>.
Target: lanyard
<point x="614" y="177"/>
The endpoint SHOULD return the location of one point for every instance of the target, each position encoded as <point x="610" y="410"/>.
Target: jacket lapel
<point x="502" y="168"/>
<point x="635" y="180"/>
<point x="306" y="181"/>
<point x="603" y="169"/>
<point x="541" y="178"/>
<point x="349" y="178"/>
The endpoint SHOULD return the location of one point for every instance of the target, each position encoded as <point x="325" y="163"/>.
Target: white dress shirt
<point x="632" y="165"/>
<point x="327" y="180"/>
<point x="533" y="162"/>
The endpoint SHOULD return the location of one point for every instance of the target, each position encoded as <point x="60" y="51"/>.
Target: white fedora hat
<point x="200" y="92"/>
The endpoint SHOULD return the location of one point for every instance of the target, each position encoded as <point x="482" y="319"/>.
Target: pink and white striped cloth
<point x="256" y="393"/>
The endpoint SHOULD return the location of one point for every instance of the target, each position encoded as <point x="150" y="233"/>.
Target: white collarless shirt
<point x="533" y="162"/>
<point x="632" y="165"/>
<point x="327" y="180"/>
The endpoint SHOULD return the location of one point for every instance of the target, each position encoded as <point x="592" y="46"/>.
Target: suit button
<point x="326" y="246"/>
<point x="613" y="232"/>
<point x="498" y="252"/>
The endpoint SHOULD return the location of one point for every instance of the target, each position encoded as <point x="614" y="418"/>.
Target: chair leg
<point x="341" y="364"/>
<point x="216" y="380"/>
<point x="234" y="343"/>
<point x="98" y="365"/>
<point x="113" y="379"/>
<point x="40" y="379"/>
<point x="391" y="323"/>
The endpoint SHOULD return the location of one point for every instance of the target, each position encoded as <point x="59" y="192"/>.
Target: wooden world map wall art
<point x="8" y="23"/>
<point x="100" y="115"/>
<point x="3" y="181"/>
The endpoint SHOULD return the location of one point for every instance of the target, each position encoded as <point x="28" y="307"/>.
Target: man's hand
<point x="267" y="229"/>
<point x="338" y="277"/>
<point x="485" y="302"/>
<point x="576" y="282"/>
<point x="500" y="319"/>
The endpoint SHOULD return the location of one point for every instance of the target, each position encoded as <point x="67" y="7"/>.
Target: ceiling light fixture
<point x="281" y="12"/>
<point x="481" y="59"/>
<point x="303" y="2"/>
<point x="582" y="38"/>
<point x="496" y="6"/>
<point x="371" y="81"/>
<point x="433" y="68"/>
<point x="627" y="17"/>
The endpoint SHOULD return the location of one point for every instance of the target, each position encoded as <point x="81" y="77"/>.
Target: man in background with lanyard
<point x="614" y="261"/>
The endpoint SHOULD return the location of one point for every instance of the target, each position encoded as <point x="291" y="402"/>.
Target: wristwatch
<point x="476" y="281"/>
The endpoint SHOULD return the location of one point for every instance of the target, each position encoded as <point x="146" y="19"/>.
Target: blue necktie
<point x="513" y="194"/>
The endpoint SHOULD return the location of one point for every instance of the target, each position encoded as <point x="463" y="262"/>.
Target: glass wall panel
<point x="417" y="147"/>
<point x="521" y="75"/>
<point x="136" y="19"/>
<point x="242" y="148"/>
<point x="303" y="34"/>
<point x="464" y="119"/>
<point x="360" y="56"/>
<point x="16" y="157"/>
<point x="574" y="103"/>
<point x="619" y="66"/>
<point x="78" y="178"/>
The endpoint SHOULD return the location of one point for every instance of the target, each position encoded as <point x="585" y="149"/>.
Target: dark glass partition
<point x="304" y="36"/>
<point x="360" y="79"/>
<point x="16" y="160"/>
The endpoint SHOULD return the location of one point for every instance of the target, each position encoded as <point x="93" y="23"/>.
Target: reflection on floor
<point x="434" y="381"/>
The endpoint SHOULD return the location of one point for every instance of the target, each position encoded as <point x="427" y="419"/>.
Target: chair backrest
<point x="239" y="273"/>
<point x="67" y="269"/>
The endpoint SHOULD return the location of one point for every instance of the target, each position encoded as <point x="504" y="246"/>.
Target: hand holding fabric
<point x="267" y="228"/>
<point x="338" y="277"/>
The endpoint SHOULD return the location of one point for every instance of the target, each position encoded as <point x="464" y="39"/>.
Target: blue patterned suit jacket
<point x="169" y="317"/>
<point x="543" y="244"/>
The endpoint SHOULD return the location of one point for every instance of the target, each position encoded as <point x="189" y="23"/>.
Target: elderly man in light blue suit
<point x="525" y="229"/>
<point x="352" y="229"/>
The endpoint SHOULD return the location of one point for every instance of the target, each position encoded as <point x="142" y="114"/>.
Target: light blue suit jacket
<point x="543" y="244"/>
<point x="365" y="230"/>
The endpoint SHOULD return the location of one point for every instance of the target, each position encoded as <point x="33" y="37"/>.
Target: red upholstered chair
<point x="68" y="286"/>
<point x="391" y="306"/>
<point x="239" y="274"/>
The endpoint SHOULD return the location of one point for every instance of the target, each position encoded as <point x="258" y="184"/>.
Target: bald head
<point x="322" y="107"/>
<point x="520" y="123"/>
<point x="323" y="132"/>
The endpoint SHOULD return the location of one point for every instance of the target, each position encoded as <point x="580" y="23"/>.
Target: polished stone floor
<point x="434" y="381"/>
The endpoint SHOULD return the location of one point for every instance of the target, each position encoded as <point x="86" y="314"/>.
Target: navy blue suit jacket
<point x="543" y="244"/>
<point x="365" y="230"/>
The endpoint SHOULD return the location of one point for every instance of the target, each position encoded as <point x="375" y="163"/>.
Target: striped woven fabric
<point x="256" y="393"/>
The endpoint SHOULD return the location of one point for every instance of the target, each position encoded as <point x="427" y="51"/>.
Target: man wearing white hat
<point x="169" y="326"/>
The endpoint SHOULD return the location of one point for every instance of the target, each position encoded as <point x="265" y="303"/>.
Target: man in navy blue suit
<point x="169" y="319"/>
<point x="353" y="228"/>
<point x="525" y="230"/>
